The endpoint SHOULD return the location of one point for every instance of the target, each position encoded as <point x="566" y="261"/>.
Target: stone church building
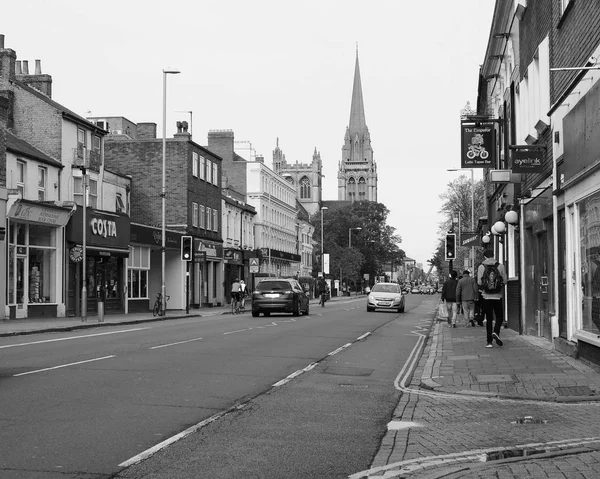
<point x="357" y="175"/>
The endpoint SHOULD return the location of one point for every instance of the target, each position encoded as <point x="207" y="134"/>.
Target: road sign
<point x="253" y="261"/>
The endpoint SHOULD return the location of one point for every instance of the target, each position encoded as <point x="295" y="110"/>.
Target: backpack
<point x="491" y="280"/>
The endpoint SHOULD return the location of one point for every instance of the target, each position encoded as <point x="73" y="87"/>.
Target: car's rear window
<point x="386" y="288"/>
<point x="272" y="285"/>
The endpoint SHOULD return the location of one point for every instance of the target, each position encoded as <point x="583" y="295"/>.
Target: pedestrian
<point x="467" y="293"/>
<point x="491" y="278"/>
<point x="449" y="297"/>
<point x="243" y="293"/>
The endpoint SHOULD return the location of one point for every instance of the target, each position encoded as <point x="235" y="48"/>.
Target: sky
<point x="270" y="69"/>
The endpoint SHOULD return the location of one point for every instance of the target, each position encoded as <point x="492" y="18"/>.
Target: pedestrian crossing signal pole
<point x="450" y="248"/>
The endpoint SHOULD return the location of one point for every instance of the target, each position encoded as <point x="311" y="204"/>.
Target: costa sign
<point x="104" y="228"/>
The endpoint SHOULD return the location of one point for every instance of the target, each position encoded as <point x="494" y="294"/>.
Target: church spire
<point x="357" y="122"/>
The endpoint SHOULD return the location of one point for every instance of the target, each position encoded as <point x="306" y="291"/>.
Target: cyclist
<point x="235" y="295"/>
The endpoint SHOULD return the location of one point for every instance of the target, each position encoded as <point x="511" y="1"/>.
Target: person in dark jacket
<point x="449" y="297"/>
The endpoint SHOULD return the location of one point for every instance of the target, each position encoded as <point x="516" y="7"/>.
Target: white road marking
<point x="238" y="331"/>
<point x="339" y="349"/>
<point x="154" y="449"/>
<point x="363" y="336"/>
<point x="174" y="344"/>
<point x="64" y="365"/>
<point x="73" y="337"/>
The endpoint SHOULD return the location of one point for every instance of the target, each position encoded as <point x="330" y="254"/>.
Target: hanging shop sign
<point x="478" y="145"/>
<point x="76" y="254"/>
<point x="527" y="160"/>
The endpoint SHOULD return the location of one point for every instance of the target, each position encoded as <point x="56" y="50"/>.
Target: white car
<point x="386" y="296"/>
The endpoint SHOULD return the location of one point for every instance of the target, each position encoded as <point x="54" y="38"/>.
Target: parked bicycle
<point x="158" y="305"/>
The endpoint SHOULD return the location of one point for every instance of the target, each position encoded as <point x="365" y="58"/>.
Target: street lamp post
<point x="323" y="208"/>
<point x="472" y="255"/>
<point x="163" y="194"/>
<point x="358" y="228"/>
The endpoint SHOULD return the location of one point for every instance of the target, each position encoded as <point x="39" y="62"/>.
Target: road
<point x="90" y="404"/>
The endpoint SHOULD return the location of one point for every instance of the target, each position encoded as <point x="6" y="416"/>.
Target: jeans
<point x="469" y="309"/>
<point x="491" y="308"/>
<point x="451" y="312"/>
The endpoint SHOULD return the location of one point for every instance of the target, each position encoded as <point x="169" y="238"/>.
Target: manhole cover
<point x="495" y="378"/>
<point x="354" y="386"/>
<point x="347" y="371"/>
<point x="574" y="391"/>
<point x="529" y="420"/>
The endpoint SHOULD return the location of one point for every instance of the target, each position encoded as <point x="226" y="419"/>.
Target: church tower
<point x="357" y="175"/>
<point x="306" y="178"/>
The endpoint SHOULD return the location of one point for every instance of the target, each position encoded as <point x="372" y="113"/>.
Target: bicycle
<point x="235" y="305"/>
<point x="157" y="310"/>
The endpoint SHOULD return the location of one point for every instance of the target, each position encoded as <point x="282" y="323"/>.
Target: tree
<point x="374" y="242"/>
<point x="457" y="204"/>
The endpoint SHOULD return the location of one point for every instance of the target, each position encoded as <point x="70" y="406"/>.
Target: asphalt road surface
<point x="223" y="396"/>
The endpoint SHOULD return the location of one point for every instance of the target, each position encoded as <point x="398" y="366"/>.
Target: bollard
<point x="100" y="304"/>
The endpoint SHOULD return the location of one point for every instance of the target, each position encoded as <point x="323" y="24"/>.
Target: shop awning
<point x="40" y="213"/>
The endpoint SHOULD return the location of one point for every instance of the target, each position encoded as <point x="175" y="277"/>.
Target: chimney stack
<point x="8" y="58"/>
<point x="39" y="81"/>
<point x="18" y="70"/>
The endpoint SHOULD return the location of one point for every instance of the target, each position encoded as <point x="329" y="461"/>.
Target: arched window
<point x="362" y="188"/>
<point x="304" y="188"/>
<point x="351" y="188"/>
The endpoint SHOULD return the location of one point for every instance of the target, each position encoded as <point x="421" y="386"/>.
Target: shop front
<point x="207" y="280"/>
<point x="233" y="269"/>
<point x="34" y="261"/>
<point x="107" y="247"/>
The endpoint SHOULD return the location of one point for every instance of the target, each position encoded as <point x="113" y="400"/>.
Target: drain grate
<point x="574" y="391"/>
<point x="498" y="455"/>
<point x="529" y="420"/>
<point x="354" y="386"/>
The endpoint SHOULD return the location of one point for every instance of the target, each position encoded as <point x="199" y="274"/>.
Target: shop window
<point x="31" y="264"/>
<point x="20" y="179"/>
<point x="138" y="266"/>
<point x="41" y="183"/>
<point x="589" y="220"/>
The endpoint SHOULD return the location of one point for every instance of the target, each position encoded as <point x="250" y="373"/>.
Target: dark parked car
<point x="279" y="295"/>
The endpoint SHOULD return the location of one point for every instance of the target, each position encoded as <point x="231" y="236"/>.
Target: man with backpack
<point x="491" y="278"/>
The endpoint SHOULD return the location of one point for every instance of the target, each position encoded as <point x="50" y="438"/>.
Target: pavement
<point x="514" y="411"/>
<point x="454" y="362"/>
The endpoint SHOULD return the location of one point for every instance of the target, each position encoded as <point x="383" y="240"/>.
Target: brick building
<point x="56" y="162"/>
<point x="193" y="207"/>
<point x="539" y="82"/>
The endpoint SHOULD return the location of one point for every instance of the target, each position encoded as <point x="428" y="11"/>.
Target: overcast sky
<point x="270" y="69"/>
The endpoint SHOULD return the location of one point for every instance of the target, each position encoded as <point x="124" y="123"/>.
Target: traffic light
<point x="186" y="248"/>
<point x="450" y="246"/>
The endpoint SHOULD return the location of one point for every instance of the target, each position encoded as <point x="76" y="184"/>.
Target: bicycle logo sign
<point x="478" y="146"/>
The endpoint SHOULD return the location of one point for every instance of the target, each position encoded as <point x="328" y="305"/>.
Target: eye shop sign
<point x="528" y="161"/>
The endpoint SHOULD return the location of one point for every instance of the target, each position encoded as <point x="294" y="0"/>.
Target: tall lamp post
<point x="323" y="208"/>
<point x="472" y="255"/>
<point x="163" y="194"/>
<point x="358" y="228"/>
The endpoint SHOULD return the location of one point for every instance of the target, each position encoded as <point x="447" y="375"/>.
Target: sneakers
<point x="489" y="345"/>
<point x="497" y="338"/>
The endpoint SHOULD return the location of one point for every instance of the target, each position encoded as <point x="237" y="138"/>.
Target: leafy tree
<point x="457" y="204"/>
<point x="374" y="242"/>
